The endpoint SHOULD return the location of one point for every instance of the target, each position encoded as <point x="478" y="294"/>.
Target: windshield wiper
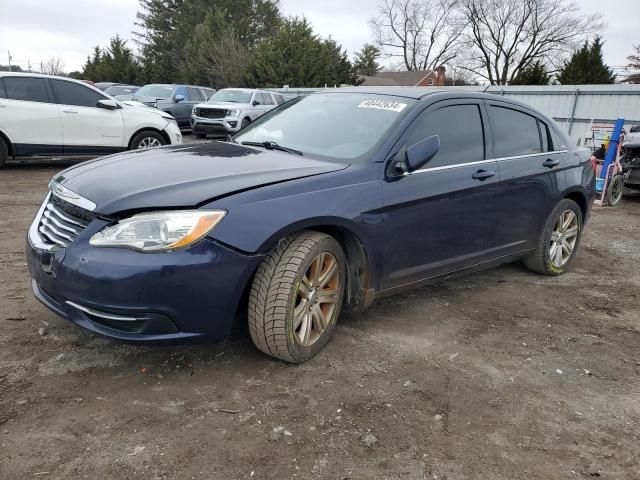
<point x="270" y="145"/>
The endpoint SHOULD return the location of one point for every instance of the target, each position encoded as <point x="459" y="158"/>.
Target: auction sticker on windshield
<point x="383" y="105"/>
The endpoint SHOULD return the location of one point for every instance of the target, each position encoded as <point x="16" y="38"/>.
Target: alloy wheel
<point x="564" y="238"/>
<point x="148" y="142"/>
<point x="316" y="299"/>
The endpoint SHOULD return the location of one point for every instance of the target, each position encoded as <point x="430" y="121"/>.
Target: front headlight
<point x="233" y="113"/>
<point x="158" y="231"/>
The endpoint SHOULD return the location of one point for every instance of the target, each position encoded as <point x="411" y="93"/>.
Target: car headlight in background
<point x="233" y="113"/>
<point x="158" y="231"/>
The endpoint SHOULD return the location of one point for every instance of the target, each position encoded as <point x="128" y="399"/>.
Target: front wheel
<point x="245" y="122"/>
<point x="615" y="190"/>
<point x="296" y="296"/>
<point x="558" y="241"/>
<point x="4" y="152"/>
<point x="147" y="139"/>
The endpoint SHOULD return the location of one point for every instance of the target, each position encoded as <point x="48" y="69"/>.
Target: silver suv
<point x="231" y="109"/>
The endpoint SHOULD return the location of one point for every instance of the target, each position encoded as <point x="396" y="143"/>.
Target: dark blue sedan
<point x="323" y="204"/>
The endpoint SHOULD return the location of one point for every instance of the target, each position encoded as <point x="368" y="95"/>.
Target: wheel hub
<point x="564" y="238"/>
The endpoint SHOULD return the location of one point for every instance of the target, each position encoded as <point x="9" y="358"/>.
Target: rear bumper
<point x="137" y="297"/>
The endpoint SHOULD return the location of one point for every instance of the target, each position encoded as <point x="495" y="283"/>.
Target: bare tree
<point x="507" y="36"/>
<point x="52" y="66"/>
<point x="422" y="33"/>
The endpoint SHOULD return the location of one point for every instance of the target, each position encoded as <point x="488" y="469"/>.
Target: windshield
<point x="155" y="91"/>
<point x="234" y="96"/>
<point x="121" y="90"/>
<point x="334" y="125"/>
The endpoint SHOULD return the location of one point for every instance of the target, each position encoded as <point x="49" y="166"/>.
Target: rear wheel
<point x="147" y="139"/>
<point x="615" y="189"/>
<point x="296" y="296"/>
<point x="558" y="241"/>
<point x="4" y="152"/>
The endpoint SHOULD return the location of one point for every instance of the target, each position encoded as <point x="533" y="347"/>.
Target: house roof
<point x="406" y="79"/>
<point x="377" y="81"/>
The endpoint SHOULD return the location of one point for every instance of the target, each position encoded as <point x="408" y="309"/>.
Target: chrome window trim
<point x="480" y="162"/>
<point x="69" y="196"/>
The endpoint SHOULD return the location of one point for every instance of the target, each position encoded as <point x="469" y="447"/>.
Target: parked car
<point x="231" y="109"/>
<point x="103" y="85"/>
<point x="48" y="115"/>
<point x="176" y="100"/>
<point x="121" y="89"/>
<point x="325" y="203"/>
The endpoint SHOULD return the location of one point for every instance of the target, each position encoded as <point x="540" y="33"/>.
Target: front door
<point x="442" y="217"/>
<point x="86" y="128"/>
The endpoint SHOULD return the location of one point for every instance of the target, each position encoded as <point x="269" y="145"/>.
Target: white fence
<point x="579" y="109"/>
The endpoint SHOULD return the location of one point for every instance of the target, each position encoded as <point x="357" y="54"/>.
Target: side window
<point x="257" y="97"/>
<point x="460" y="130"/>
<point x="545" y="136"/>
<point x="193" y="94"/>
<point x="279" y="99"/>
<point x="2" y="93"/>
<point x="26" y="88"/>
<point x="181" y="90"/>
<point x="266" y="99"/>
<point x="557" y="141"/>
<point x="516" y="133"/>
<point x="69" y="93"/>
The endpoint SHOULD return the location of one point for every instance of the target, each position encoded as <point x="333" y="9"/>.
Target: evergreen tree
<point x="168" y="26"/>
<point x="297" y="57"/>
<point x="534" y="74"/>
<point x="365" y="62"/>
<point x="586" y="66"/>
<point x="116" y="63"/>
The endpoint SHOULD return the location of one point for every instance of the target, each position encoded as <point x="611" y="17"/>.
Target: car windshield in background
<point x="234" y="96"/>
<point x="155" y="91"/>
<point x="120" y="90"/>
<point x="334" y="125"/>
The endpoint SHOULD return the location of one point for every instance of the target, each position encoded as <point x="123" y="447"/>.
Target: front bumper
<point x="139" y="297"/>
<point x="175" y="136"/>
<point x="215" y="126"/>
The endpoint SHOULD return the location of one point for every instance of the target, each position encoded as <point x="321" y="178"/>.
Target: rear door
<point x="441" y="218"/>
<point x="531" y="172"/>
<point x="30" y="117"/>
<point x="87" y="128"/>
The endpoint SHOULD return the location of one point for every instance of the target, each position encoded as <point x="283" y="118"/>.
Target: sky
<point x="34" y="30"/>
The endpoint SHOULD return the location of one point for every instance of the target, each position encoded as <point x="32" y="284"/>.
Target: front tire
<point x="296" y="296"/>
<point x="558" y="241"/>
<point x="147" y="139"/>
<point x="201" y="135"/>
<point x="245" y="122"/>
<point x="4" y="152"/>
<point x="615" y="190"/>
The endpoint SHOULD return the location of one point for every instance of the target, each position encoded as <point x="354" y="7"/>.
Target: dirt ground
<point x="503" y="374"/>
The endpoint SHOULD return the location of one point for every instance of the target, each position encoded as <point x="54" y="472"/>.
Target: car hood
<point x="229" y="105"/>
<point x="183" y="176"/>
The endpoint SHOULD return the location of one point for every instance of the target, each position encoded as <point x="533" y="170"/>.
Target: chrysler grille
<point x="61" y="223"/>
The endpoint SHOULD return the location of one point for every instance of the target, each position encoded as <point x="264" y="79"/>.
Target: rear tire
<point x="147" y="139"/>
<point x="615" y="190"/>
<point x="558" y="241"/>
<point x="4" y="152"/>
<point x="296" y="296"/>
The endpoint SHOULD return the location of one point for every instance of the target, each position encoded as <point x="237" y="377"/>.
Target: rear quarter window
<point x="2" y="92"/>
<point x="516" y="133"/>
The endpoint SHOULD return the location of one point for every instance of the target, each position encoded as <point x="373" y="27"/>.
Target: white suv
<point x="231" y="109"/>
<point x="48" y="115"/>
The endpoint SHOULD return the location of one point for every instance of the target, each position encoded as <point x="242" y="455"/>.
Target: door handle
<point x="70" y="111"/>
<point x="549" y="163"/>
<point x="482" y="175"/>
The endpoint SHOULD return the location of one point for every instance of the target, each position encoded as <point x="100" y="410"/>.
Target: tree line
<point x="250" y="43"/>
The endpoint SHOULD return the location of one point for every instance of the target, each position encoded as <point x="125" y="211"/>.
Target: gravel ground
<point x="501" y="374"/>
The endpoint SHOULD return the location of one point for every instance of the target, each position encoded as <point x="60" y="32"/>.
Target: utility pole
<point x="9" y="54"/>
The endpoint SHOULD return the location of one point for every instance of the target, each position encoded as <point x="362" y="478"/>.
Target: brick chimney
<point x="440" y="76"/>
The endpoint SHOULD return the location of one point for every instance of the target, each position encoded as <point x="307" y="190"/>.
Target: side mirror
<point x="418" y="154"/>
<point x="255" y="103"/>
<point x="178" y="98"/>
<point x="108" y="104"/>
